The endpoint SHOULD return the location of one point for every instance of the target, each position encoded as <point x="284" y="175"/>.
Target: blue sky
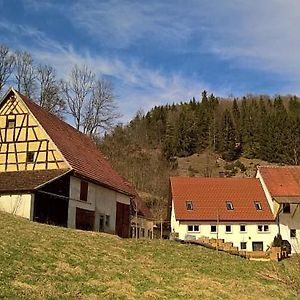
<point x="158" y="52"/>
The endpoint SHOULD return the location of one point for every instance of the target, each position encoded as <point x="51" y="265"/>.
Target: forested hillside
<point x="146" y="151"/>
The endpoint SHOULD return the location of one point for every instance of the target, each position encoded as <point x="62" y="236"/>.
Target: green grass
<point x="45" y="262"/>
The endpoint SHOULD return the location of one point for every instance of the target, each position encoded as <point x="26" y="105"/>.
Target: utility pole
<point x="136" y="220"/>
<point x="218" y="229"/>
<point x="161" y="230"/>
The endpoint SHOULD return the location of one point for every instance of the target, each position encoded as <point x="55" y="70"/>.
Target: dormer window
<point x="229" y="205"/>
<point x="257" y="205"/>
<point x="189" y="205"/>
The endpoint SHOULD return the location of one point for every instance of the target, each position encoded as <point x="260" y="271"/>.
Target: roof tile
<point x="18" y="181"/>
<point x="281" y="181"/>
<point x="209" y="196"/>
<point x="78" y="149"/>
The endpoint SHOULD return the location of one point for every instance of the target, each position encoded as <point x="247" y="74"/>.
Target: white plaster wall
<point x="174" y="223"/>
<point x="100" y="199"/>
<point x="142" y="223"/>
<point x="236" y="237"/>
<point x="20" y="205"/>
<point x="267" y="193"/>
<point x="290" y="221"/>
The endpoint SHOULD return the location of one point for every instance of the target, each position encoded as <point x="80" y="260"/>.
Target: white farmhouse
<point x="281" y="185"/>
<point x="233" y="209"/>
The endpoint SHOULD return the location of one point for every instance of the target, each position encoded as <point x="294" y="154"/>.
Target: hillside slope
<point x="44" y="262"/>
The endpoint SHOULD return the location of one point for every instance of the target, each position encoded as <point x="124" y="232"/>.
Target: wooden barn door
<point x="85" y="219"/>
<point x="122" y="220"/>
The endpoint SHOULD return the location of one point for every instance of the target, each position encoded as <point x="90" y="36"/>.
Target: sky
<point x="163" y="51"/>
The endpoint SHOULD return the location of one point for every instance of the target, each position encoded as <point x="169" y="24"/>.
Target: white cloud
<point x="136" y="86"/>
<point x="120" y="24"/>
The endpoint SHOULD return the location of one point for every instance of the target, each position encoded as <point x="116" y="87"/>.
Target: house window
<point x="243" y="245"/>
<point x="257" y="205"/>
<point x="11" y="122"/>
<point x="229" y="205"/>
<point x="242" y="228"/>
<point x="193" y="228"/>
<point x="83" y="190"/>
<point x="101" y="223"/>
<point x="30" y="157"/>
<point x="213" y="228"/>
<point x="107" y="220"/>
<point x="189" y="205"/>
<point x="293" y="233"/>
<point x="263" y="228"/>
<point x="286" y="208"/>
<point x="228" y="229"/>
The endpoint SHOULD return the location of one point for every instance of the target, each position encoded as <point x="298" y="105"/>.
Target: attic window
<point x="229" y="205"/>
<point x="83" y="190"/>
<point x="189" y="205"/>
<point x="30" y="157"/>
<point x="286" y="208"/>
<point x="11" y="122"/>
<point x="257" y="205"/>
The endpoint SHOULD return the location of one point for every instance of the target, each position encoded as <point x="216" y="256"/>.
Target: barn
<point x="52" y="173"/>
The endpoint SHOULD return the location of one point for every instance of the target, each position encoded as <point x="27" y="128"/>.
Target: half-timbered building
<point x="52" y="173"/>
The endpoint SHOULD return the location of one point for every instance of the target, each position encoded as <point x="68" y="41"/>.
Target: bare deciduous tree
<point x="77" y="91"/>
<point x="89" y="101"/>
<point x="100" y="111"/>
<point x="49" y="92"/>
<point x="25" y="73"/>
<point x="6" y="65"/>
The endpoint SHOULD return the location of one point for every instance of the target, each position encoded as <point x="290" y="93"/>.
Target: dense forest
<point x="145" y="151"/>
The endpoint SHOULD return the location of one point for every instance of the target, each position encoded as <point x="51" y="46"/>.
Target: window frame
<point x="226" y="229"/>
<point x="211" y="231"/>
<point x="286" y="208"/>
<point x="101" y="222"/>
<point x="9" y="120"/>
<point x="189" y="205"/>
<point x="30" y="157"/>
<point x="294" y="235"/>
<point x="258" y="205"/>
<point x="84" y="190"/>
<point x="107" y="221"/>
<point x="243" y="231"/>
<point x="229" y="205"/>
<point x="193" y="228"/>
<point x="265" y="228"/>
<point x="243" y="243"/>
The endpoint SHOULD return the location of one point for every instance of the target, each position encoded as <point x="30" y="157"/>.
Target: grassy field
<point x="44" y="262"/>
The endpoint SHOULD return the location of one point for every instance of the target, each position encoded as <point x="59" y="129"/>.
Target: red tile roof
<point x="281" y="181"/>
<point x="209" y="196"/>
<point x="27" y="180"/>
<point x="78" y="149"/>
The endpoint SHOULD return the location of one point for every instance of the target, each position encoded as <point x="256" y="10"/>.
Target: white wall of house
<point x="18" y="204"/>
<point x="100" y="199"/>
<point x="250" y="235"/>
<point x="141" y="227"/>
<point x="288" y="222"/>
<point x="267" y="193"/>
